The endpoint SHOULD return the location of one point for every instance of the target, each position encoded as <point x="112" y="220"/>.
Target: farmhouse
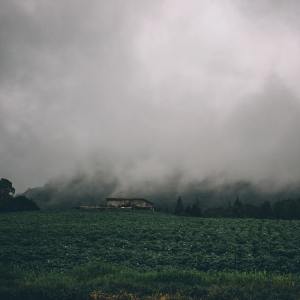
<point x="129" y="203"/>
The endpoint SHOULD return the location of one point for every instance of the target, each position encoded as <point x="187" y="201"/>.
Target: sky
<point x="142" y="90"/>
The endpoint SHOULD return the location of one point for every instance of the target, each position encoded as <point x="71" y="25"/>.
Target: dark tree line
<point x="284" y="209"/>
<point x="189" y="210"/>
<point x="10" y="203"/>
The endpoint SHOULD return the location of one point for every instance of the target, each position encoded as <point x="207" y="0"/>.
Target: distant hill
<point x="82" y="190"/>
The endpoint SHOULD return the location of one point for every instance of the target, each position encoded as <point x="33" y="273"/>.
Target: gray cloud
<point x="146" y="90"/>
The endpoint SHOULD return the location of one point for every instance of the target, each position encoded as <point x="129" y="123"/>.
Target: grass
<point x="138" y="255"/>
<point x="104" y="281"/>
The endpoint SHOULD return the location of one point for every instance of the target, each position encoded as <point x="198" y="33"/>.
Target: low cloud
<point x="145" y="91"/>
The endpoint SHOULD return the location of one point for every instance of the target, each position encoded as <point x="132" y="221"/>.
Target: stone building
<point x="129" y="203"/>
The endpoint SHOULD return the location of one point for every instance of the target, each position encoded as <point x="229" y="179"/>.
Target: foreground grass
<point x="138" y="255"/>
<point x="105" y="281"/>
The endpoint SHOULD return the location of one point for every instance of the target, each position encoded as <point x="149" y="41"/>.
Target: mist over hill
<point x="93" y="189"/>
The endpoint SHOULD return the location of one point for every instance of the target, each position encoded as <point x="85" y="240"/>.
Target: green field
<point x="135" y="255"/>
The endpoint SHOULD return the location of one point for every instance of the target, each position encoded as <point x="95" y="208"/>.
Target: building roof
<point x="129" y="199"/>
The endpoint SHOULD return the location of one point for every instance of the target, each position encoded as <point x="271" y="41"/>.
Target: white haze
<point x="144" y="90"/>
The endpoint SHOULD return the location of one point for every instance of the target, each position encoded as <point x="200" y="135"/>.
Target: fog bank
<point x="143" y="91"/>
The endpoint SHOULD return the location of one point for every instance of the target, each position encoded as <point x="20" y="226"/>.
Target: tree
<point x="188" y="210"/>
<point x="6" y="193"/>
<point x="196" y="209"/>
<point x="179" y="209"/>
<point x="266" y="210"/>
<point x="10" y="203"/>
<point x="6" y="189"/>
<point x="251" y="211"/>
<point x="237" y="208"/>
<point x="22" y="203"/>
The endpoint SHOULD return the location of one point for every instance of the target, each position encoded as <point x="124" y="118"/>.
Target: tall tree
<point x="237" y="208"/>
<point x="6" y="193"/>
<point x="179" y="209"/>
<point x="6" y="189"/>
<point x="10" y="203"/>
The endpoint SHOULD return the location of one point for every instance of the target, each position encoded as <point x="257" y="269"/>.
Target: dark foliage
<point x="179" y="208"/>
<point x="21" y="203"/>
<point x="75" y="255"/>
<point x="6" y="188"/>
<point x="10" y="203"/>
<point x="283" y="209"/>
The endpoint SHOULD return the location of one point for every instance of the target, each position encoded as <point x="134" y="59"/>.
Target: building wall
<point x="124" y="203"/>
<point x="116" y="203"/>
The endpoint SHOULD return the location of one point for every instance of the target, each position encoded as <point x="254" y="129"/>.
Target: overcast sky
<point x="145" y="89"/>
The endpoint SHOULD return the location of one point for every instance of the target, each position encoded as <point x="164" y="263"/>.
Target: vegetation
<point x="10" y="203"/>
<point x="179" y="209"/>
<point x="100" y="281"/>
<point x="135" y="255"/>
<point x="284" y="209"/>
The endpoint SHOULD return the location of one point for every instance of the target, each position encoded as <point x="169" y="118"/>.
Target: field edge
<point x="99" y="280"/>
